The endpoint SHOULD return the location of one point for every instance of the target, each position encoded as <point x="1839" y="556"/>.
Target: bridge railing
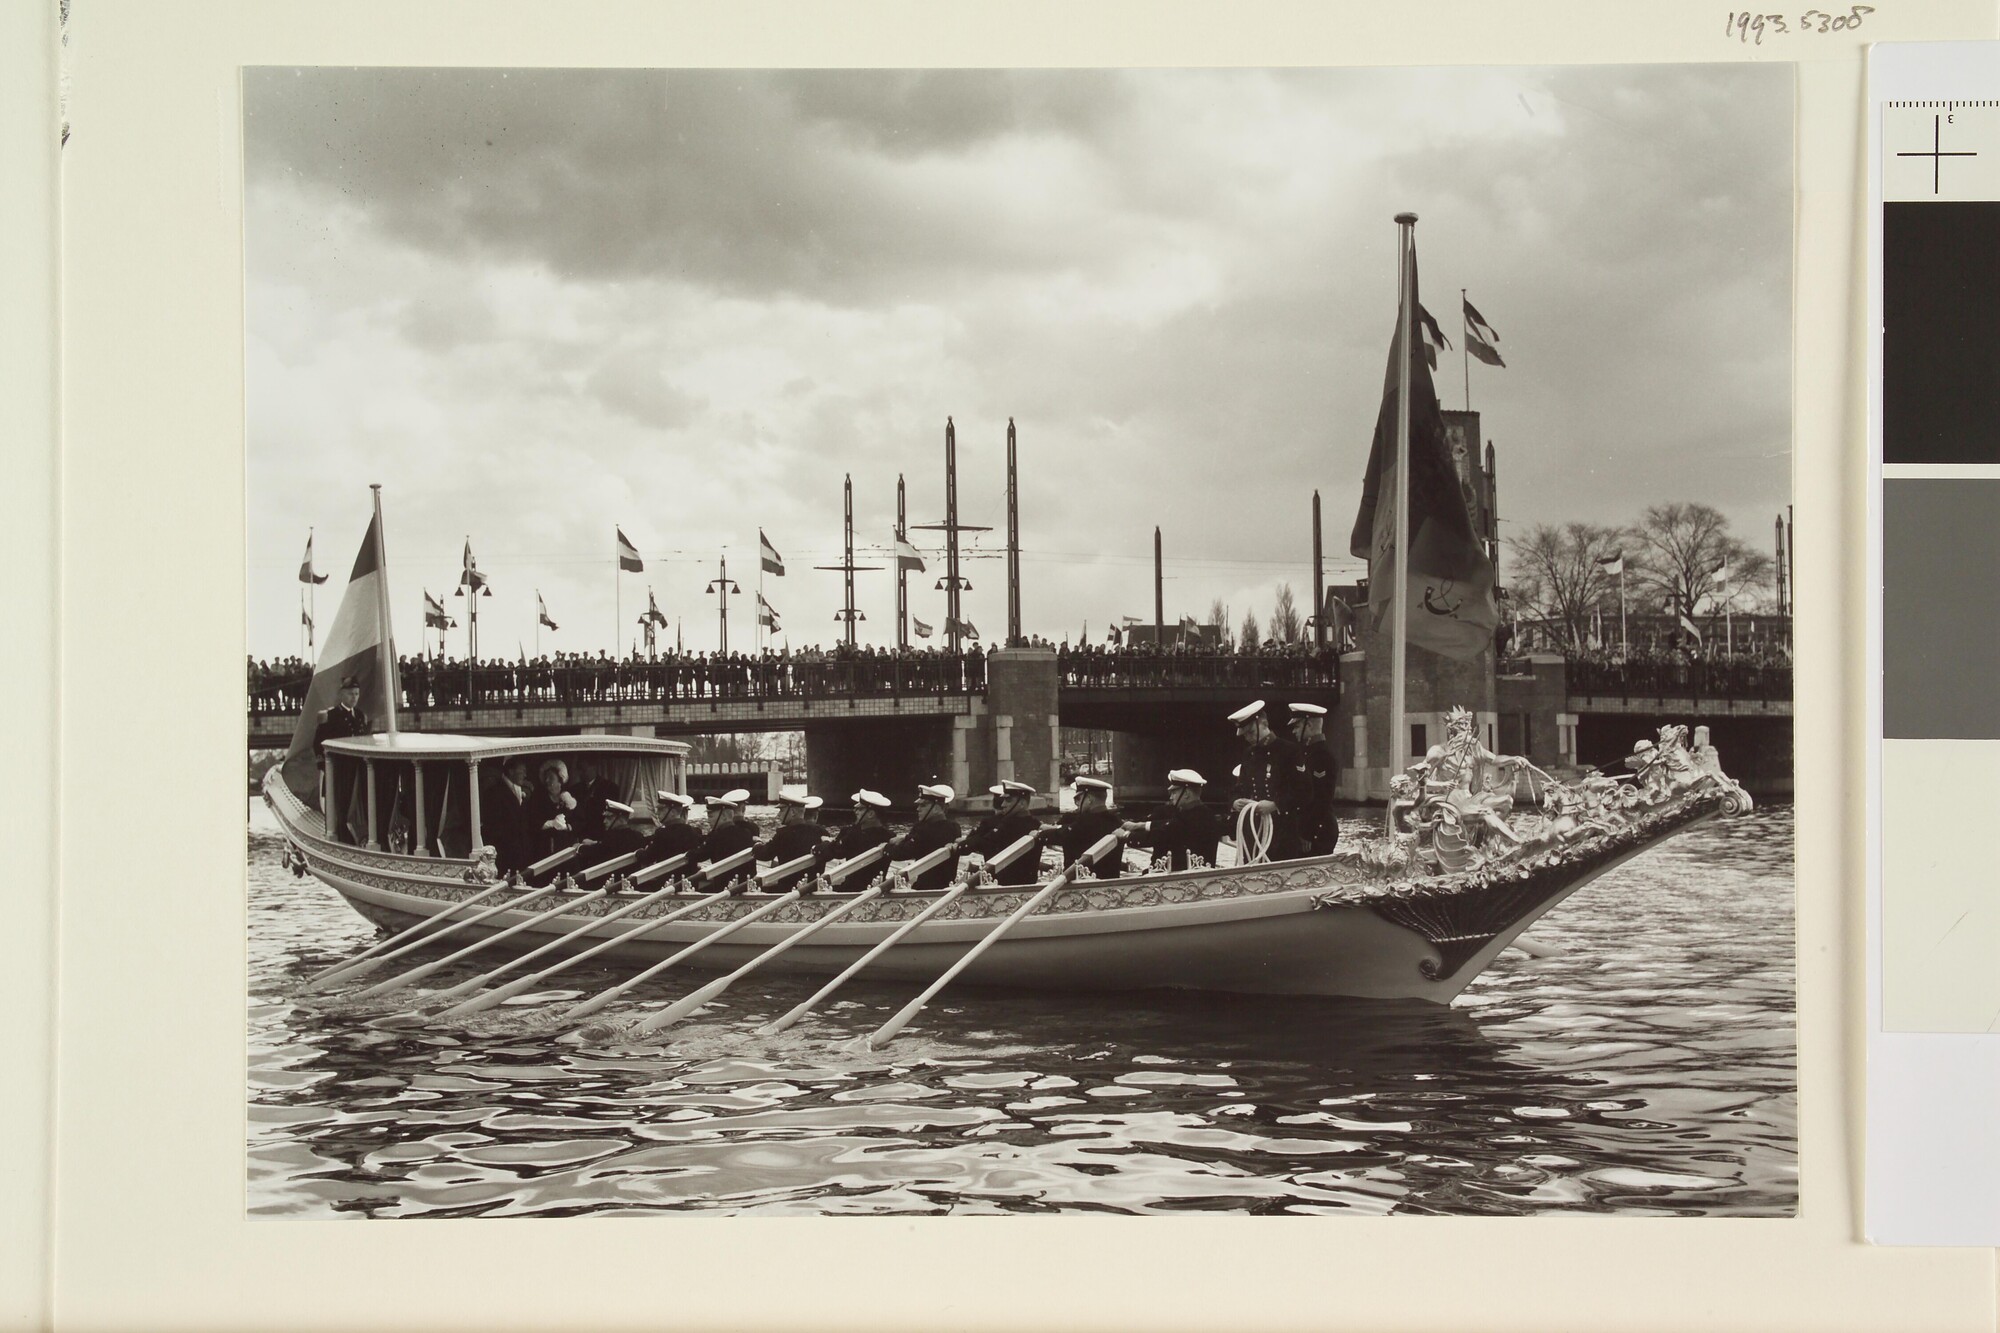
<point x="1724" y="678"/>
<point x="427" y="685"/>
<point x="1218" y="671"/>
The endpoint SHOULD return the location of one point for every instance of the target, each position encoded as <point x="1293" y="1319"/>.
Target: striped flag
<point x="469" y="576"/>
<point x="1692" y="628"/>
<point x="767" y="615"/>
<point x="628" y="554"/>
<point x="354" y="650"/>
<point x="434" y="613"/>
<point x="1433" y="337"/>
<point x="306" y="574"/>
<point x="1480" y="337"/>
<point x="907" y="557"/>
<point x="1613" y="564"/>
<point x="923" y="630"/>
<point x="773" y="563"/>
<point x="305" y="618"/>
<point x="542" y="611"/>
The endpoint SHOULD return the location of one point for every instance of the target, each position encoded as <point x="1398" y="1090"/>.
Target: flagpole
<point x="1465" y="347"/>
<point x="1624" y="644"/>
<point x="387" y="648"/>
<point x="618" y="590"/>
<point x="1400" y="611"/>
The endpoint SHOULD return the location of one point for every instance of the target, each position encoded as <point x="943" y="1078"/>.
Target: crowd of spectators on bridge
<point x="1196" y="664"/>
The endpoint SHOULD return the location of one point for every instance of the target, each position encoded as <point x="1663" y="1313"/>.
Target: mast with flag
<point x="1428" y="573"/>
<point x="652" y="620"/>
<point x="435" y="618"/>
<point x="309" y="581"/>
<point x="472" y="585"/>
<point x="1479" y="340"/>
<point x="1615" y="564"/>
<point x="541" y="619"/>
<point x="628" y="562"/>
<point x="768" y="562"/>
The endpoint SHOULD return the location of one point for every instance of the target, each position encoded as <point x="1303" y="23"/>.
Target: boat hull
<point x="1315" y="927"/>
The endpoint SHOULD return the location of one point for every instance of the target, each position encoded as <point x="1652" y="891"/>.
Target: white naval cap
<point x="937" y="791"/>
<point x="1246" y="712"/>
<point x="874" y="798"/>
<point x="732" y="799"/>
<point x="1307" y="710"/>
<point x="1009" y="787"/>
<point x="1187" y="777"/>
<point x="619" y="807"/>
<point x="1092" y="784"/>
<point x="675" y="798"/>
<point x="803" y="802"/>
<point x="1236" y="772"/>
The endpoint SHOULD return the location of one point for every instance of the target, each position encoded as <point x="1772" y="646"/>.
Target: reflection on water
<point x="1645" y="1065"/>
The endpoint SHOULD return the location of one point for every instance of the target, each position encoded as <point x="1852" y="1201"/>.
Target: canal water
<point x="1643" y="1063"/>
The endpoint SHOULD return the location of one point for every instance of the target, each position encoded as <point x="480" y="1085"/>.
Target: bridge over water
<point x="972" y="719"/>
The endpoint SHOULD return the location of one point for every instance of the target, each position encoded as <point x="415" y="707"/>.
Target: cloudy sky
<point x="534" y="304"/>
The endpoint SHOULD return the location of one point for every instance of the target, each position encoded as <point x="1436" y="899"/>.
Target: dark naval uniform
<point x="995" y="834"/>
<point x="1180" y="834"/>
<point x="726" y="841"/>
<point x="1319" y="829"/>
<point x="608" y="845"/>
<point x="672" y="840"/>
<point x="337" y="723"/>
<point x="1275" y="771"/>
<point x="503" y="823"/>
<point x="926" y="836"/>
<point x="1080" y="830"/>
<point x="789" y="843"/>
<point x="851" y="841"/>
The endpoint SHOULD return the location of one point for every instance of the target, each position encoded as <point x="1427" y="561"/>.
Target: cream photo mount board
<point x="147" y="1067"/>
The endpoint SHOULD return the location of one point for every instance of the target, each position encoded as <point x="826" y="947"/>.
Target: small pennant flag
<point x="628" y="554"/>
<point x="907" y="557"/>
<point x="767" y="615"/>
<point x="923" y="630"/>
<point x="1613" y="564"/>
<point x="542" y="611"/>
<point x="305" y="618"/>
<point x="434" y="613"/>
<point x="306" y="574"/>
<point x="773" y="563"/>
<point x="653" y="616"/>
<point x="469" y="576"/>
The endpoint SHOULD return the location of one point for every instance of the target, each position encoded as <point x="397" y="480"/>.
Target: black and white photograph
<point x="988" y="641"/>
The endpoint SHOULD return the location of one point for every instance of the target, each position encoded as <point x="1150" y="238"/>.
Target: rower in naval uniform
<point x="1321" y="830"/>
<point x="676" y="836"/>
<point x="728" y="831"/>
<point x="1184" y="828"/>
<point x="1272" y="780"/>
<point x="866" y="832"/>
<point x="1083" y="827"/>
<point x="798" y="834"/>
<point x="1008" y="824"/>
<point x="629" y="829"/>
<point x="934" y="828"/>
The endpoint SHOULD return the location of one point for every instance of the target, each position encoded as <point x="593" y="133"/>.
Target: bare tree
<point x="1558" y="576"/>
<point x="1285" y="625"/>
<point x="1684" y="555"/>
<point x="1218" y="616"/>
<point x="1251" y="636"/>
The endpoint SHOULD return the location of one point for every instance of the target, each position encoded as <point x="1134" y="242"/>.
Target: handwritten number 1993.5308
<point x="1752" y="28"/>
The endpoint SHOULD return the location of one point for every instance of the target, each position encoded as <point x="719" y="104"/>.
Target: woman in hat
<point x="549" y="808"/>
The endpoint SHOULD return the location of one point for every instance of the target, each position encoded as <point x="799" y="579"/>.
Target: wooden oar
<point x="682" y="1008"/>
<point x="513" y="988"/>
<point x="784" y="870"/>
<point x="604" y="997"/>
<point x="842" y="871"/>
<point x="1001" y="861"/>
<point x="423" y="970"/>
<point x="617" y="914"/>
<point x="603" y="868"/>
<point x="888" y="1030"/>
<point x="714" y="870"/>
<point x="366" y="966"/>
<point x="429" y="923"/>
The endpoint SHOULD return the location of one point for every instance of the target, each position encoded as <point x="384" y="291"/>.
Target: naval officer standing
<point x="1272" y="780"/>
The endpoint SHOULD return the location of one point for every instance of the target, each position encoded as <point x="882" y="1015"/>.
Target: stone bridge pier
<point x="1010" y="733"/>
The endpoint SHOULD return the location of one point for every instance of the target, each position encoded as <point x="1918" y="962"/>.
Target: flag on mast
<point x="306" y="574"/>
<point x="907" y="557"/>
<point x="628" y="554"/>
<point x="434" y="613"/>
<point x="354" y="651"/>
<point x="469" y="576"/>
<point x="923" y="630"/>
<point x="1452" y="607"/>
<point x="767" y="615"/>
<point x="305" y="618"/>
<point x="767" y="554"/>
<point x="1480" y="337"/>
<point x="542" y="611"/>
<point x="1433" y="337"/>
<point x="653" y="616"/>
<point x="1612" y="565"/>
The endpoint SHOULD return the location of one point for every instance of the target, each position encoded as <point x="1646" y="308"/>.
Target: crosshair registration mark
<point x="1936" y="154"/>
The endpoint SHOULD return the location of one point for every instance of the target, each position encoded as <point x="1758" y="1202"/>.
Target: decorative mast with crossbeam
<point x="847" y="614"/>
<point x="954" y="624"/>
